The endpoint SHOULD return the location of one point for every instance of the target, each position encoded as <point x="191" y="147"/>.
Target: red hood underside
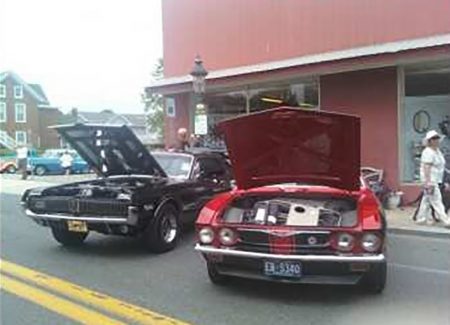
<point x="292" y="145"/>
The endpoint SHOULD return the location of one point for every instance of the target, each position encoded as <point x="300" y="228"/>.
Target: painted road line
<point x="58" y="305"/>
<point x="99" y="300"/>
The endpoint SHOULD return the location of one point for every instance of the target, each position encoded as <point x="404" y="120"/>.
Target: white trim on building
<point x="2" y="91"/>
<point x="3" y="113"/>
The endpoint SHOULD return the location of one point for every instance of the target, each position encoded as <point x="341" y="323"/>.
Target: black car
<point x="139" y="193"/>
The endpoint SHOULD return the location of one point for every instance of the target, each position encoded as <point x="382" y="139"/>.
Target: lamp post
<point x="199" y="74"/>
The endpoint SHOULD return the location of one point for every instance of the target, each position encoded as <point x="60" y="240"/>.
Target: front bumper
<point x="43" y="218"/>
<point x="317" y="269"/>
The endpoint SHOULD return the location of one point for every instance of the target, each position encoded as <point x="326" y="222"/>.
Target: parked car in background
<point x="8" y="165"/>
<point x="301" y="213"/>
<point x="140" y="193"/>
<point x="49" y="163"/>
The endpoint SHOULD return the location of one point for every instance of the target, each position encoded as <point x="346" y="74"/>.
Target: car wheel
<point x="375" y="280"/>
<point x="68" y="238"/>
<point x="40" y="170"/>
<point x="11" y="169"/>
<point x="162" y="234"/>
<point x="214" y="275"/>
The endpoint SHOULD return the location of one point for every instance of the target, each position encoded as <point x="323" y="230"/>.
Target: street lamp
<point x="199" y="74"/>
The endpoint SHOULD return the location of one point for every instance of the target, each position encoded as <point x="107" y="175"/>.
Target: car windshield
<point x="175" y="165"/>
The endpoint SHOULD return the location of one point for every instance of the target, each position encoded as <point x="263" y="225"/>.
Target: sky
<point x="88" y="54"/>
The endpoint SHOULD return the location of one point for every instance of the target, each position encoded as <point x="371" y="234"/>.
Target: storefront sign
<point x="201" y="124"/>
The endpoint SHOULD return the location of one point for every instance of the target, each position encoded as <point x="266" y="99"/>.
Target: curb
<point x="420" y="232"/>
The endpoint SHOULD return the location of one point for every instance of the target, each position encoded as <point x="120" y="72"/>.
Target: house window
<point x="21" y="113"/>
<point x="2" y="112"/>
<point x="21" y="137"/>
<point x="18" y="91"/>
<point x="2" y="91"/>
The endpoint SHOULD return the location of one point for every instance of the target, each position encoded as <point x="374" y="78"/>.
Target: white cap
<point x="430" y="134"/>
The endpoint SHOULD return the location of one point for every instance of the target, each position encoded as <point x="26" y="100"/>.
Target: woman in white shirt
<point x="432" y="166"/>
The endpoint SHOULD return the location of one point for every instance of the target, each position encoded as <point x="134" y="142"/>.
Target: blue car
<point x="49" y="163"/>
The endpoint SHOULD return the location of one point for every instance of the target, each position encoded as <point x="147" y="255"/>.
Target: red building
<point x="387" y="61"/>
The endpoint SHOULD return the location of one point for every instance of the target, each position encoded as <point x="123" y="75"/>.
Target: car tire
<point x="162" y="234"/>
<point x="11" y="169"/>
<point x="215" y="276"/>
<point x="68" y="238"/>
<point x="40" y="170"/>
<point x="375" y="280"/>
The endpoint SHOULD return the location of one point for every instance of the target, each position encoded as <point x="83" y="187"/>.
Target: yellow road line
<point x="54" y="303"/>
<point x="94" y="298"/>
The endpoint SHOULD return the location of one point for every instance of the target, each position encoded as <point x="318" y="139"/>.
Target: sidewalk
<point x="399" y="220"/>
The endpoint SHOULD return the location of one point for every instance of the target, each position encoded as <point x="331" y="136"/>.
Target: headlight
<point x="206" y="235"/>
<point x="345" y="242"/>
<point x="370" y="242"/>
<point x="227" y="236"/>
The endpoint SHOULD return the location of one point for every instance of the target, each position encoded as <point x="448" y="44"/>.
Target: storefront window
<point x="426" y="106"/>
<point x="251" y="98"/>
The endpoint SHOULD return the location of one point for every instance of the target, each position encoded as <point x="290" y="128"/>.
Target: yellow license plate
<point x="77" y="226"/>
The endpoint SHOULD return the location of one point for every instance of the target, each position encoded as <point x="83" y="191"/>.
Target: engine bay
<point x="292" y="211"/>
<point x="120" y="189"/>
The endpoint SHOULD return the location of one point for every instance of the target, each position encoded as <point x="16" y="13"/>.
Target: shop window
<point x="170" y="107"/>
<point x="426" y="106"/>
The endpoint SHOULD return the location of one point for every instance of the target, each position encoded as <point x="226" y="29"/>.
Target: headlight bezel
<point x="203" y="234"/>
<point x="227" y="236"/>
<point x="345" y="242"/>
<point x="375" y="247"/>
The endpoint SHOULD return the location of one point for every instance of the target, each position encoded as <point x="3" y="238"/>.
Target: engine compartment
<point x="120" y="188"/>
<point x="292" y="211"/>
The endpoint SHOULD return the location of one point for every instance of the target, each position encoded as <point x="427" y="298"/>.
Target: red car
<point x="301" y="212"/>
<point x="7" y="166"/>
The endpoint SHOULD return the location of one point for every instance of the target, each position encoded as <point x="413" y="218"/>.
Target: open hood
<point x="110" y="150"/>
<point x="292" y="145"/>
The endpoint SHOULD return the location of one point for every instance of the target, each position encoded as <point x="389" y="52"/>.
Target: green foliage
<point x="154" y="104"/>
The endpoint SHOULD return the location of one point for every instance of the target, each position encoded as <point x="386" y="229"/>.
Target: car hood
<point x="110" y="150"/>
<point x="292" y="145"/>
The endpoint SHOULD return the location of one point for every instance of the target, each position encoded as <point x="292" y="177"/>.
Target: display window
<point x="253" y="98"/>
<point x="426" y="106"/>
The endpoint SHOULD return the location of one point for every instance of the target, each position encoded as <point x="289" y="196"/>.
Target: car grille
<point x="78" y="206"/>
<point x="264" y="241"/>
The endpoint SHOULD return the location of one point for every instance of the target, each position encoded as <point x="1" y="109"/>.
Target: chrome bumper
<point x="48" y="217"/>
<point x="316" y="258"/>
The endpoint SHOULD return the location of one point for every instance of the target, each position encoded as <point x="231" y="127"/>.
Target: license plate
<point x="77" y="226"/>
<point x="283" y="269"/>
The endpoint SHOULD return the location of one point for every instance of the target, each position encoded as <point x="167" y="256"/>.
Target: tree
<point x="154" y="104"/>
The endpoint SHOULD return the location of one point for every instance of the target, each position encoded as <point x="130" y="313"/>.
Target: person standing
<point x="66" y="161"/>
<point x="432" y="166"/>
<point x="182" y="140"/>
<point x="22" y="161"/>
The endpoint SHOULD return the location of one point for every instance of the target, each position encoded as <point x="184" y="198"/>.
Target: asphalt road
<point x="175" y="284"/>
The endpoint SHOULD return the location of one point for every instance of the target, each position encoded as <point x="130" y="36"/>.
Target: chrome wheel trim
<point x="169" y="228"/>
